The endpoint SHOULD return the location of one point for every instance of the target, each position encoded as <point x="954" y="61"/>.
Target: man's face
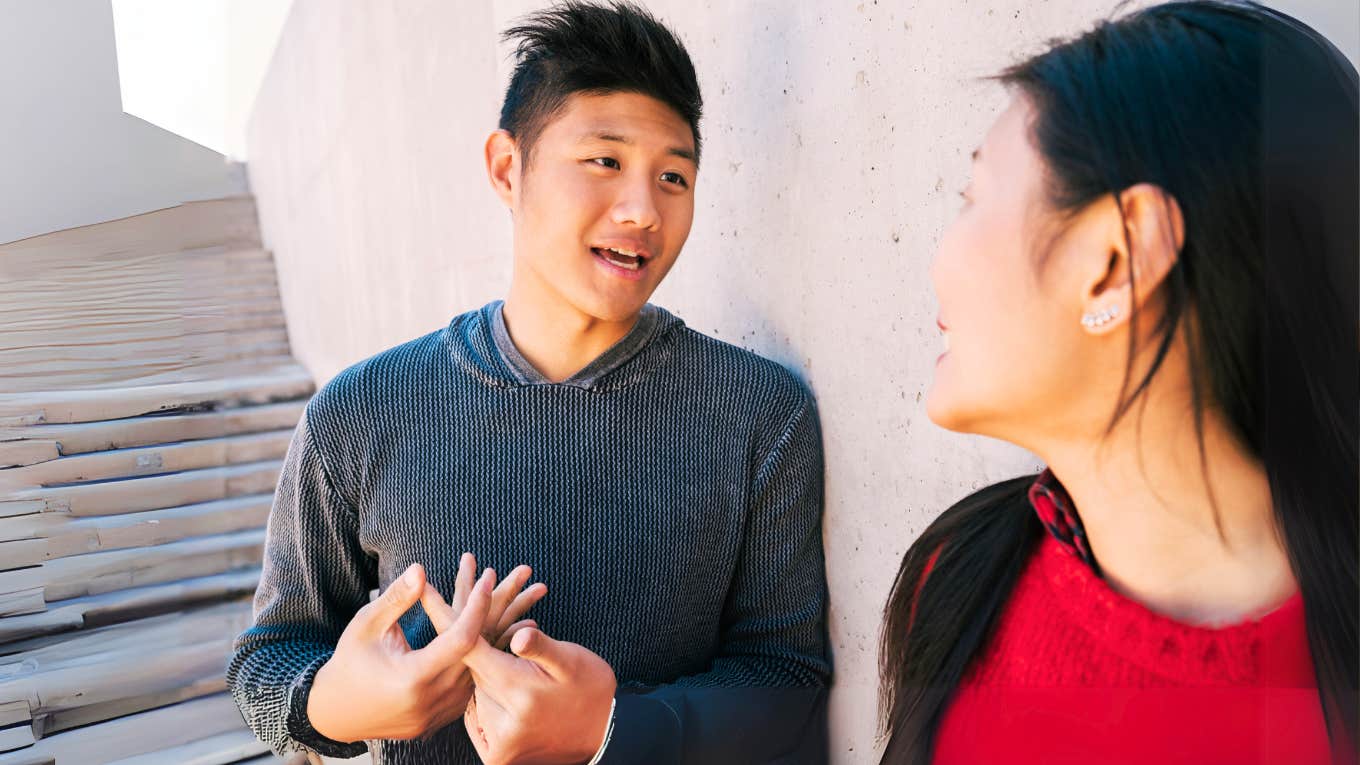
<point x="605" y="202"/>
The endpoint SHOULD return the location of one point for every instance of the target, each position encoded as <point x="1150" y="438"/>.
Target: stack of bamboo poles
<point x="147" y="397"/>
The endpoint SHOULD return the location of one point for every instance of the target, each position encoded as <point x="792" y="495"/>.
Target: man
<point x="667" y="486"/>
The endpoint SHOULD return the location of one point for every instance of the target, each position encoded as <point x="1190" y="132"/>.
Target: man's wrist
<point x="317" y="710"/>
<point x="299" y="723"/>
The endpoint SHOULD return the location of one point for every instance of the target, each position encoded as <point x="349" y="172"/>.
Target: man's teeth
<point x="946" y="342"/>
<point x="622" y="258"/>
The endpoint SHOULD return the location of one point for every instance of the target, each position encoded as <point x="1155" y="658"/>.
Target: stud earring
<point x="1100" y="318"/>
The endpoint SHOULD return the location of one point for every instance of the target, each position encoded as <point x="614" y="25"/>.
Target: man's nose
<point x="636" y="205"/>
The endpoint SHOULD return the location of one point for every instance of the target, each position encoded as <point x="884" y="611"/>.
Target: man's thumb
<point x="397" y="599"/>
<point x="531" y="643"/>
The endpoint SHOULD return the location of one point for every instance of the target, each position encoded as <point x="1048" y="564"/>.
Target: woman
<point x="1152" y="285"/>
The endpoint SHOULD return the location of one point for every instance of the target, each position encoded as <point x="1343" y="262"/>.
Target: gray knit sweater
<point x="669" y="494"/>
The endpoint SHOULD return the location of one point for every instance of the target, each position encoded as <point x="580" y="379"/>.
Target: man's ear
<point x="1142" y="249"/>
<point x="502" y="165"/>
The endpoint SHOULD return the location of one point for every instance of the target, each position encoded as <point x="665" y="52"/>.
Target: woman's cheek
<point x="945" y="268"/>
<point x="974" y="302"/>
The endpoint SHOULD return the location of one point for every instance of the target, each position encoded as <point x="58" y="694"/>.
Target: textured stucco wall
<point x="836" y="137"/>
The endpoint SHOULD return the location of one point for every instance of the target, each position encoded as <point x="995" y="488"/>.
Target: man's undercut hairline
<point x="535" y="127"/>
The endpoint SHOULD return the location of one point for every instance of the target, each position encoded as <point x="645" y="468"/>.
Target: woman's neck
<point x="1193" y="539"/>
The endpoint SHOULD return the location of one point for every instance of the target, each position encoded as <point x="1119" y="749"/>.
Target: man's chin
<point x="615" y="314"/>
<point x="614" y="308"/>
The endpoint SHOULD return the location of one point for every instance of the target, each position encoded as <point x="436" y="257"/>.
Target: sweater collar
<point x="1269" y="649"/>
<point x="1053" y="505"/>
<point x="481" y="341"/>
<point x="1272" y="648"/>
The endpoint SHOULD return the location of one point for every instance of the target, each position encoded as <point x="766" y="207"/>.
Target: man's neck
<point x="553" y="335"/>
<point x="1154" y="530"/>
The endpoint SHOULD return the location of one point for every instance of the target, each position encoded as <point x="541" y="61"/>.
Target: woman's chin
<point x="939" y="408"/>
<point x="948" y="412"/>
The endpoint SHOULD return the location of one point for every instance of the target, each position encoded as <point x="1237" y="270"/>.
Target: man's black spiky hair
<point x="580" y="47"/>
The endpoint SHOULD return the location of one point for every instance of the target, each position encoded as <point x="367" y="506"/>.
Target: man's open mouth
<point x="618" y="256"/>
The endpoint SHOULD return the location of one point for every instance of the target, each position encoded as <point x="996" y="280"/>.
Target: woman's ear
<point x="502" y="165"/>
<point x="1144" y="244"/>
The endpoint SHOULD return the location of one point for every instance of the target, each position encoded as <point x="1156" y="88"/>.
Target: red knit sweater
<point x="1077" y="673"/>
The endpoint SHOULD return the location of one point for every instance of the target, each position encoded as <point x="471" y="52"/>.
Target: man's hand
<point x="508" y="603"/>
<point x="548" y="704"/>
<point x="375" y="687"/>
<point x="502" y="620"/>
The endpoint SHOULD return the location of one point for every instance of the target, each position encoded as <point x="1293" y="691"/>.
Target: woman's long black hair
<point x="1248" y="119"/>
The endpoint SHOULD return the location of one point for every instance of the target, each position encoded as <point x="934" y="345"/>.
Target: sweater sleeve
<point x="763" y="699"/>
<point x="315" y="578"/>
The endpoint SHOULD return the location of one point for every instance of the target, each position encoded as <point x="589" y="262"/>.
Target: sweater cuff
<point x="300" y="728"/>
<point x="645" y="730"/>
<point x="608" y="732"/>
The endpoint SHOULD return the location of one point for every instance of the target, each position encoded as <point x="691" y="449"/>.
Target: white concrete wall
<point x="69" y="156"/>
<point x="253" y="29"/>
<point x="365" y="148"/>
<point x="195" y="68"/>
<point x="1339" y="20"/>
<point x="836" y="137"/>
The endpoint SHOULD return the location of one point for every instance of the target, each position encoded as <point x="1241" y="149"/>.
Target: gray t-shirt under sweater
<point x="669" y="494"/>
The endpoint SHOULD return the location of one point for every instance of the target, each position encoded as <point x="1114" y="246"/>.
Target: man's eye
<point x="608" y="162"/>
<point x="675" y="178"/>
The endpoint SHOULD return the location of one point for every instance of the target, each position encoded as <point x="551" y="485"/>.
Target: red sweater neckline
<point x="1270" y="649"/>
<point x="1075" y="671"/>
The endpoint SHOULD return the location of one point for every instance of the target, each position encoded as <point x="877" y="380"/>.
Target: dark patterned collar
<point x="652" y="321"/>
<point x="1054" y="507"/>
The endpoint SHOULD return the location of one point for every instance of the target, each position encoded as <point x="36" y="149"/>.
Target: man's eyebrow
<point x="683" y="153"/>
<point x="604" y="135"/>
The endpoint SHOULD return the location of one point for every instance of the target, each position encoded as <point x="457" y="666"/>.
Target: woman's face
<point x="1010" y="299"/>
